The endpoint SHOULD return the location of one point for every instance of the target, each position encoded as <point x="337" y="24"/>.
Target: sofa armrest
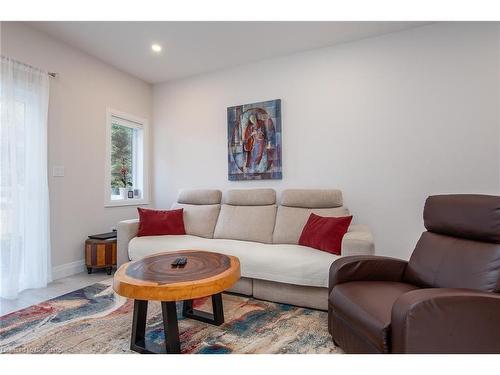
<point x="127" y="229"/>
<point x="358" y="241"/>
<point x="445" y="320"/>
<point x="365" y="268"/>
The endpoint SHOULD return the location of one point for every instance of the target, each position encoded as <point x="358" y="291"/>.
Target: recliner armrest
<point x="446" y="320"/>
<point x="127" y="229"/>
<point x="365" y="268"/>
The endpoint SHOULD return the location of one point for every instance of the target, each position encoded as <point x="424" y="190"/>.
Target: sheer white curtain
<point x="24" y="198"/>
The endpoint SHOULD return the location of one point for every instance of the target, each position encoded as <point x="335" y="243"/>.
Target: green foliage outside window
<point x="121" y="157"/>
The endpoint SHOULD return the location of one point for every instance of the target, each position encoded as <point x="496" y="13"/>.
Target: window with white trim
<point x="126" y="177"/>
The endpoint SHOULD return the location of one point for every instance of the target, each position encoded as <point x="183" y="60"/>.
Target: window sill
<point x="125" y="202"/>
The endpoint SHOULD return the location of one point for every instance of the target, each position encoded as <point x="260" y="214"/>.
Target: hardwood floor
<point x="56" y="288"/>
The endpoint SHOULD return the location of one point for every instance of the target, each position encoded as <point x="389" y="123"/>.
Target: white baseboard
<point x="68" y="269"/>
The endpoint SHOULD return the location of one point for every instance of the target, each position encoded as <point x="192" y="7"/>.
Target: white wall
<point x="79" y="96"/>
<point x="388" y="120"/>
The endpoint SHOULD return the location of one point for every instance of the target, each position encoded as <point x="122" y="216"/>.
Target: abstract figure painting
<point x="254" y="141"/>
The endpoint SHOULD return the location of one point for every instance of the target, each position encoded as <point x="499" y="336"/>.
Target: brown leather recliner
<point x="445" y="299"/>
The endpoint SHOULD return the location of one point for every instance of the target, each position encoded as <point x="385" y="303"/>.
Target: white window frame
<point x="143" y="124"/>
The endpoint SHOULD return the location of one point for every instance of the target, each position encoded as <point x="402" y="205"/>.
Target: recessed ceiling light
<point x="156" y="47"/>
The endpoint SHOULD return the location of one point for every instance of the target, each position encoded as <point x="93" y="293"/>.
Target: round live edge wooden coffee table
<point x="153" y="278"/>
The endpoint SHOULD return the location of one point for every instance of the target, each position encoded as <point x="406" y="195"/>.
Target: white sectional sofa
<point x="263" y="235"/>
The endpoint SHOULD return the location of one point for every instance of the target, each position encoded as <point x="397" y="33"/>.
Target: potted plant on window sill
<point x="124" y="191"/>
<point x="125" y="185"/>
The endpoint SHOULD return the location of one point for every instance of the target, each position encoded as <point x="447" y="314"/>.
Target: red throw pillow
<point x="158" y="222"/>
<point x="325" y="233"/>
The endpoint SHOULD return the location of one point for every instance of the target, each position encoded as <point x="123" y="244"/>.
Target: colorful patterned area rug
<point x="96" y="320"/>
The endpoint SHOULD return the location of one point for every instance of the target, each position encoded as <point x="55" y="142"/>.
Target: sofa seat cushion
<point x="291" y="264"/>
<point x="366" y="307"/>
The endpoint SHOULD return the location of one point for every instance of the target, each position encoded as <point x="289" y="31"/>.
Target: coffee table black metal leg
<point x="187" y="308"/>
<point x="218" y="309"/>
<point x="171" y="327"/>
<point x="217" y="318"/>
<point x="137" y="341"/>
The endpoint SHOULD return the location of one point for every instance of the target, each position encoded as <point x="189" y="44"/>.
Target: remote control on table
<point x="182" y="262"/>
<point x="175" y="262"/>
<point x="179" y="262"/>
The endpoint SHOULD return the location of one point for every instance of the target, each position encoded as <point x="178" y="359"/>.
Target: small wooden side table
<point x="100" y="254"/>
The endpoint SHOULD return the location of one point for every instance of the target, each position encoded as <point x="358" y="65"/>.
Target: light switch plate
<point x="58" y="171"/>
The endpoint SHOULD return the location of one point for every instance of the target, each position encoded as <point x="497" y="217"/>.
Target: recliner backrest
<point x="461" y="248"/>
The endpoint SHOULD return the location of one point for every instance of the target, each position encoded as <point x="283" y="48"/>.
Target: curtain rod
<point x="51" y="74"/>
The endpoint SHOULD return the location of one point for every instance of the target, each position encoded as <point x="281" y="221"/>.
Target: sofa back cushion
<point x="296" y="207"/>
<point x="311" y="198"/>
<point x="199" y="196"/>
<point x="248" y="215"/>
<point x="199" y="219"/>
<point x="250" y="197"/>
<point x="201" y="210"/>
<point x="461" y="248"/>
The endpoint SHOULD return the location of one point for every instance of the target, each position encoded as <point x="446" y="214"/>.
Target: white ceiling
<point x="191" y="48"/>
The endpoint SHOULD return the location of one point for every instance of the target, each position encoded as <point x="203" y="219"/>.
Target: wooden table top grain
<point x="153" y="278"/>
